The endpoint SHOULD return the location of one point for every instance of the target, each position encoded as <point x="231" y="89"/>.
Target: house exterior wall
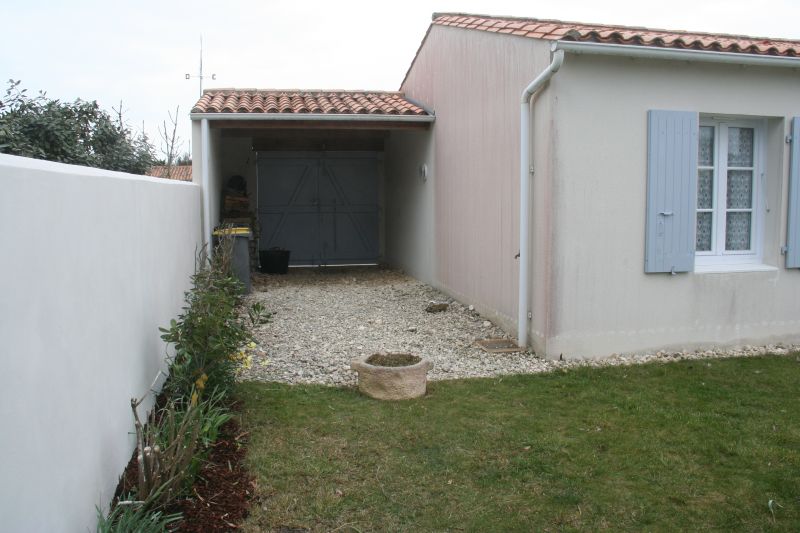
<point x="473" y="80"/>
<point x="409" y="241"/>
<point x="95" y="261"/>
<point x="604" y="302"/>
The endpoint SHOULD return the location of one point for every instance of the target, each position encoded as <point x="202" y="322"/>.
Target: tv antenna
<point x="199" y="74"/>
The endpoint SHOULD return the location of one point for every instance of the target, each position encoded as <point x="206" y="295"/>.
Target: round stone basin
<point x="392" y="376"/>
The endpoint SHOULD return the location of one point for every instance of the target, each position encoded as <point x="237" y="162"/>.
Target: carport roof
<point x="556" y="30"/>
<point x="300" y="102"/>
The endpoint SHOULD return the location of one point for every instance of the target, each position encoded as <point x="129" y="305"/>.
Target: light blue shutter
<point x="793" y="230"/>
<point x="671" y="191"/>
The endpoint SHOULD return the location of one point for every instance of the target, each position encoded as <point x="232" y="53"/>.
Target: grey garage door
<point x="321" y="206"/>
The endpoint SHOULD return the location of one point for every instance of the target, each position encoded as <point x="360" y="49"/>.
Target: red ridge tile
<point x="603" y="33"/>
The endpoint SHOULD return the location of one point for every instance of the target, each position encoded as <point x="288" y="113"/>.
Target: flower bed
<point x="187" y="472"/>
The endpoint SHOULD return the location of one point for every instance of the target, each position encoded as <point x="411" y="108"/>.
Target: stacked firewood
<point x="236" y="205"/>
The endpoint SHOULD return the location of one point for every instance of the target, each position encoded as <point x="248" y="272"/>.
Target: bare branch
<point x="170" y="142"/>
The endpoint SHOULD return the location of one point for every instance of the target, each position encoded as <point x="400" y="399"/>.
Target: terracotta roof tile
<point x="603" y="33"/>
<point x="178" y="172"/>
<point x="295" y="101"/>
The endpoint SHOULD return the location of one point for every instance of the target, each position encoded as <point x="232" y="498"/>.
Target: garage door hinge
<point x="530" y="170"/>
<point x="784" y="250"/>
<point x="789" y="139"/>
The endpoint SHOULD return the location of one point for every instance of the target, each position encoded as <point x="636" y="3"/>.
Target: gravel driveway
<point x="325" y="317"/>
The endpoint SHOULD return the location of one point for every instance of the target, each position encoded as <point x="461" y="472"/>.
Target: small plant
<point x="134" y="519"/>
<point x="258" y="314"/>
<point x="213" y="415"/>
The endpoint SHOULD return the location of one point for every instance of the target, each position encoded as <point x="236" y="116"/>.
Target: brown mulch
<point x="223" y="489"/>
<point x="221" y="494"/>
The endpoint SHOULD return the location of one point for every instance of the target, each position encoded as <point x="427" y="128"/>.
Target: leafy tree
<point x="78" y="133"/>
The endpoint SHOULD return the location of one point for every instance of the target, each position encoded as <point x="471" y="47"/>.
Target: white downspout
<point x="205" y="179"/>
<point x="525" y="178"/>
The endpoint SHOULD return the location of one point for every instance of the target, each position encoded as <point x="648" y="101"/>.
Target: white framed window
<point x="729" y="189"/>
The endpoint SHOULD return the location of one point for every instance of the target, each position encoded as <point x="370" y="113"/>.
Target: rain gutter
<point x="650" y="52"/>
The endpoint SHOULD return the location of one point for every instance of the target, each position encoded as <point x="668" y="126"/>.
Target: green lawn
<point x="659" y="447"/>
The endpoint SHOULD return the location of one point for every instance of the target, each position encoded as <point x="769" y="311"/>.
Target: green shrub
<point x="78" y="133"/>
<point x="210" y="333"/>
<point x="134" y="519"/>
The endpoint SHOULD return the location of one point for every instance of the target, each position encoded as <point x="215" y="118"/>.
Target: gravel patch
<point x="324" y="318"/>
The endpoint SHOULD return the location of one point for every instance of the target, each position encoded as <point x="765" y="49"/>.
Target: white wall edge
<point x="14" y="161"/>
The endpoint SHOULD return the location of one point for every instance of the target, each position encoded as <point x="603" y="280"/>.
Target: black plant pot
<point x="274" y="261"/>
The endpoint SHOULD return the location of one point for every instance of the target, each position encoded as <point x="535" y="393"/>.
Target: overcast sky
<point x="139" y="52"/>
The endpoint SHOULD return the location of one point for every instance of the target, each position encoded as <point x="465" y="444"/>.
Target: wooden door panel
<point x="324" y="208"/>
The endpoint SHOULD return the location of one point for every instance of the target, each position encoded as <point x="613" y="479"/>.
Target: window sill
<point x="722" y="269"/>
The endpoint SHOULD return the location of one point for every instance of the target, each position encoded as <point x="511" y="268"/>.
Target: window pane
<point x="737" y="231"/>
<point x="706" y="153"/>
<point x="740" y="189"/>
<point x="705" y="189"/>
<point x="703" y="232"/>
<point x="740" y="147"/>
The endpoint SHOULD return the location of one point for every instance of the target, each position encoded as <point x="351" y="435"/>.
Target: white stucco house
<point x="595" y="189"/>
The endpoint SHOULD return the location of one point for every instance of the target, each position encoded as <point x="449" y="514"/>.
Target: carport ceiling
<point x="313" y="140"/>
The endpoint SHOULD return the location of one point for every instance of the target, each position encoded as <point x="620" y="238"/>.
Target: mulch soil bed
<point x="221" y="494"/>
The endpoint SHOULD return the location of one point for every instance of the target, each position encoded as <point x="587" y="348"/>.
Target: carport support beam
<point x="525" y="178"/>
<point x="205" y="167"/>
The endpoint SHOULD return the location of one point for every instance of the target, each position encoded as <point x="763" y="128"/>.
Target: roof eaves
<point x="326" y="117"/>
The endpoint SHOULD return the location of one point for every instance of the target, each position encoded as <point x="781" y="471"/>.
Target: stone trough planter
<point x="392" y="376"/>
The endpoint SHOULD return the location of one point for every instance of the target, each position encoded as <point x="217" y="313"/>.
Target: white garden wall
<point x="92" y="263"/>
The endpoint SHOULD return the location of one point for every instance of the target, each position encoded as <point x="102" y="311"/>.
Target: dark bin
<point x="274" y="261"/>
<point x="240" y="261"/>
